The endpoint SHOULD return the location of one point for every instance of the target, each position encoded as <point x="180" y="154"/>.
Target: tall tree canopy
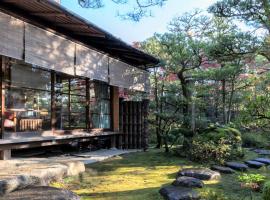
<point x="254" y="13"/>
<point x="141" y="8"/>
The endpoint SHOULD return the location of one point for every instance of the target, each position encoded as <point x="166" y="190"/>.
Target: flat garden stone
<point x="237" y="166"/>
<point x="254" y="164"/>
<point x="200" y="173"/>
<point x="190" y="182"/>
<point x="263" y="160"/>
<point x="222" y="169"/>
<point x="178" y="193"/>
<point x="262" y="151"/>
<point x="41" y="193"/>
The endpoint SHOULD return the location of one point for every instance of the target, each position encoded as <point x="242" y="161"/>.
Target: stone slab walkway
<point x="20" y="173"/>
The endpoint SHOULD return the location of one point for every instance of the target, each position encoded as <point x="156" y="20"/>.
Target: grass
<point x="138" y="176"/>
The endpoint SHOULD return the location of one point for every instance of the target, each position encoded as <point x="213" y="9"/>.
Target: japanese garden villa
<point x="65" y="80"/>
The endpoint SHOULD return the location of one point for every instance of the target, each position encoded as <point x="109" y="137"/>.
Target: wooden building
<point x="64" y="79"/>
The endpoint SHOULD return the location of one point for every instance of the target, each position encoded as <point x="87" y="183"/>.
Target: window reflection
<point x="70" y="102"/>
<point x="27" y="98"/>
<point x="100" y="105"/>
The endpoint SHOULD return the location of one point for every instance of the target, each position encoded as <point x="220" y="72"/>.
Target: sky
<point x="130" y="31"/>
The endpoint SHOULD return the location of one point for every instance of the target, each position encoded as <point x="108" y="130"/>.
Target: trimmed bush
<point x="266" y="191"/>
<point x="217" y="144"/>
<point x="254" y="140"/>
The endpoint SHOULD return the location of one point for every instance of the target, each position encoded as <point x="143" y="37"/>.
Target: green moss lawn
<point x="139" y="176"/>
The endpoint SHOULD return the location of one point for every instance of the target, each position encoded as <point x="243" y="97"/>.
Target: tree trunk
<point x="186" y="101"/>
<point x="224" y="101"/>
<point x="230" y="102"/>
<point x="158" y="121"/>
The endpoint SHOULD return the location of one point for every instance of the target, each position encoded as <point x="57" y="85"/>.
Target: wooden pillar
<point x="130" y="142"/>
<point x="2" y="96"/>
<point x="5" y="154"/>
<point x="115" y="109"/>
<point x="121" y="124"/>
<point x="87" y="106"/>
<point x="53" y="102"/>
<point x="145" y="107"/>
<point x="69" y="102"/>
<point x="115" y="113"/>
<point x="135" y="133"/>
<point x="126" y="110"/>
<point x="140" y="124"/>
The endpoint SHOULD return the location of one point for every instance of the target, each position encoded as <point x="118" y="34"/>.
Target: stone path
<point x="19" y="173"/>
<point x="188" y="179"/>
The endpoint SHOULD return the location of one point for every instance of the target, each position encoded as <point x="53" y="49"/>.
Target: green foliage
<point x="252" y="181"/>
<point x="253" y="139"/>
<point x="251" y="178"/>
<point x="212" y="195"/>
<point x="266" y="191"/>
<point x="216" y="144"/>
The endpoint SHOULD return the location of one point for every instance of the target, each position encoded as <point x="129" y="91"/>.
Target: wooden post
<point x="87" y="106"/>
<point x="53" y="102"/>
<point x="130" y="146"/>
<point x="121" y="124"/>
<point x="69" y="102"/>
<point x="140" y="124"/>
<point x="145" y="135"/>
<point x="135" y="133"/>
<point x="115" y="109"/>
<point x="126" y="113"/>
<point x="115" y="113"/>
<point x="4" y="154"/>
<point x="2" y="97"/>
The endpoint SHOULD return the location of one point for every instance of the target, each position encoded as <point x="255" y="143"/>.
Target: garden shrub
<point x="254" y="140"/>
<point x="252" y="181"/>
<point x="266" y="191"/>
<point x="216" y="144"/>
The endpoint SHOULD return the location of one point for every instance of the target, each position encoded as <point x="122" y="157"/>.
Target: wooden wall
<point x="133" y="124"/>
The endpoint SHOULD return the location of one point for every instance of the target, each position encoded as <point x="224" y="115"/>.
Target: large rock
<point x="263" y="160"/>
<point x="178" y="193"/>
<point x="190" y="182"/>
<point x="254" y="164"/>
<point x="221" y="169"/>
<point x="41" y="193"/>
<point x="237" y="166"/>
<point x="200" y="173"/>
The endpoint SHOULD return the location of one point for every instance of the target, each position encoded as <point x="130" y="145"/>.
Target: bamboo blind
<point x="126" y="76"/>
<point x="48" y="50"/>
<point x="91" y="64"/>
<point x="11" y="36"/>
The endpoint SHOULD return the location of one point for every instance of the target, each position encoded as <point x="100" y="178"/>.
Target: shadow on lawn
<point x="146" y="193"/>
<point x="148" y="160"/>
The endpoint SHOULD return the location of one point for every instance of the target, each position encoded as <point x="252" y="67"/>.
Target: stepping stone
<point x="263" y="160"/>
<point x="178" y="193"/>
<point x="254" y="164"/>
<point x="262" y="151"/>
<point x="221" y="169"/>
<point x="237" y="166"/>
<point x="200" y="173"/>
<point x="190" y="182"/>
<point x="41" y="193"/>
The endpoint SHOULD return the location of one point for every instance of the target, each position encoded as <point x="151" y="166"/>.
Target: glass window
<point x="27" y="98"/>
<point x="100" y="105"/>
<point x="70" y="102"/>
